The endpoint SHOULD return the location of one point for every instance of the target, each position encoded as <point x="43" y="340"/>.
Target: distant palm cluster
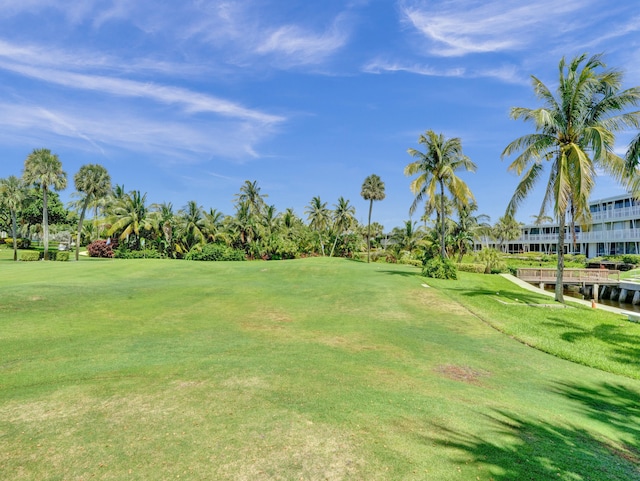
<point x="573" y="139"/>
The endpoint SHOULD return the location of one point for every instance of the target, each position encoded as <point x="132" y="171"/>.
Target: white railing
<point x="630" y="235"/>
<point x="620" y="213"/>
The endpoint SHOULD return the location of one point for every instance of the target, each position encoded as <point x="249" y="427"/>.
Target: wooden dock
<point x="570" y="276"/>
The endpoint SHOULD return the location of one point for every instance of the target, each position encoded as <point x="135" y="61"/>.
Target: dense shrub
<point x="62" y="256"/>
<point x="30" y="256"/>
<point x="631" y="259"/>
<point x="440" y="268"/>
<point x="476" y="268"/>
<point x="22" y="242"/>
<point x="491" y="259"/>
<point x="53" y="255"/>
<point x="141" y="254"/>
<point x="100" y="248"/>
<point x="215" y="252"/>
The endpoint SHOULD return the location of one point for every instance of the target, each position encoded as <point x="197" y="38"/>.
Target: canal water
<point x="574" y="291"/>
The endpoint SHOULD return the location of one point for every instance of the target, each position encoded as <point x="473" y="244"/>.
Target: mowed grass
<point x="593" y="337"/>
<point x="315" y="369"/>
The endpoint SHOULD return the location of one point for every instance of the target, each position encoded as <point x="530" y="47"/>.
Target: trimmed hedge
<point x="216" y="252"/>
<point x="30" y="256"/>
<point x="62" y="256"/>
<point x="142" y="254"/>
<point x="475" y="268"/>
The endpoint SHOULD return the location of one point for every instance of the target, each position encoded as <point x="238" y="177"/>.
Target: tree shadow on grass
<point x="521" y="448"/>
<point x="399" y="273"/>
<point x="625" y="344"/>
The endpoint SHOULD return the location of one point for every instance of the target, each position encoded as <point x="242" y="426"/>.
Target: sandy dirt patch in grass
<point x="433" y="301"/>
<point x="464" y="374"/>
<point x="297" y="449"/>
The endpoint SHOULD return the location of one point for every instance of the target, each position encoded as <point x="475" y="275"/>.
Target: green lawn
<point x="315" y="369"/>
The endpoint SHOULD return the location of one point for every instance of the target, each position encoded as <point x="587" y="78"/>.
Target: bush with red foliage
<point x="100" y="248"/>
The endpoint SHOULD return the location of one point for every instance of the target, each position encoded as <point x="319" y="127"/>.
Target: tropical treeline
<point x="573" y="138"/>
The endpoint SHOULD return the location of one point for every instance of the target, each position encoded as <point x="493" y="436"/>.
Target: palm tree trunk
<point x="369" y="231"/>
<point x="14" y="225"/>
<point x="333" y="247"/>
<point x="559" y="273"/>
<point x="443" y="251"/>
<point x="45" y="223"/>
<point x="84" y="210"/>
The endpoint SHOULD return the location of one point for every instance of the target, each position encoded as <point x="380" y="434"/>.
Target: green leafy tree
<point x="574" y="136"/>
<point x="44" y="170"/>
<point x="372" y="189"/>
<point x="92" y="182"/>
<point x="436" y="169"/>
<point x="12" y="193"/>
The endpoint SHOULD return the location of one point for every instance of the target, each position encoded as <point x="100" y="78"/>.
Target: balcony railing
<point x="621" y="235"/>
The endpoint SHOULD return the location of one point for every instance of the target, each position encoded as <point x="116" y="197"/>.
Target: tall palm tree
<point x="44" y="170"/>
<point x="343" y="218"/>
<point x="12" y="193"/>
<point x="319" y="217"/>
<point x="436" y="169"/>
<point x="372" y="189"/>
<point x="574" y="134"/>
<point x="92" y="182"/>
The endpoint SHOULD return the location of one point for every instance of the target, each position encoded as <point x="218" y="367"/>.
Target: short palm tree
<point x="213" y="225"/>
<point x="12" y="193"/>
<point x="191" y="223"/>
<point x="130" y="216"/>
<point x="44" y="170"/>
<point x="574" y="135"/>
<point x="436" y="169"/>
<point x="343" y="218"/>
<point x="250" y="193"/>
<point x="319" y="217"/>
<point x="372" y="189"/>
<point x="92" y="182"/>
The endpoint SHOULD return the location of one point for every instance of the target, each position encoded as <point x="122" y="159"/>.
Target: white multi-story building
<point x="614" y="229"/>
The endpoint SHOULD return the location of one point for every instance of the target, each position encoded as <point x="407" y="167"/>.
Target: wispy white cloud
<point x="456" y="27"/>
<point x="246" y="35"/>
<point x="192" y="102"/>
<point x="508" y="73"/>
<point x="295" y="45"/>
<point x="112" y="129"/>
<point x="83" y="60"/>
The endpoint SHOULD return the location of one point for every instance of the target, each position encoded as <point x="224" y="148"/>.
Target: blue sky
<point x="185" y="100"/>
